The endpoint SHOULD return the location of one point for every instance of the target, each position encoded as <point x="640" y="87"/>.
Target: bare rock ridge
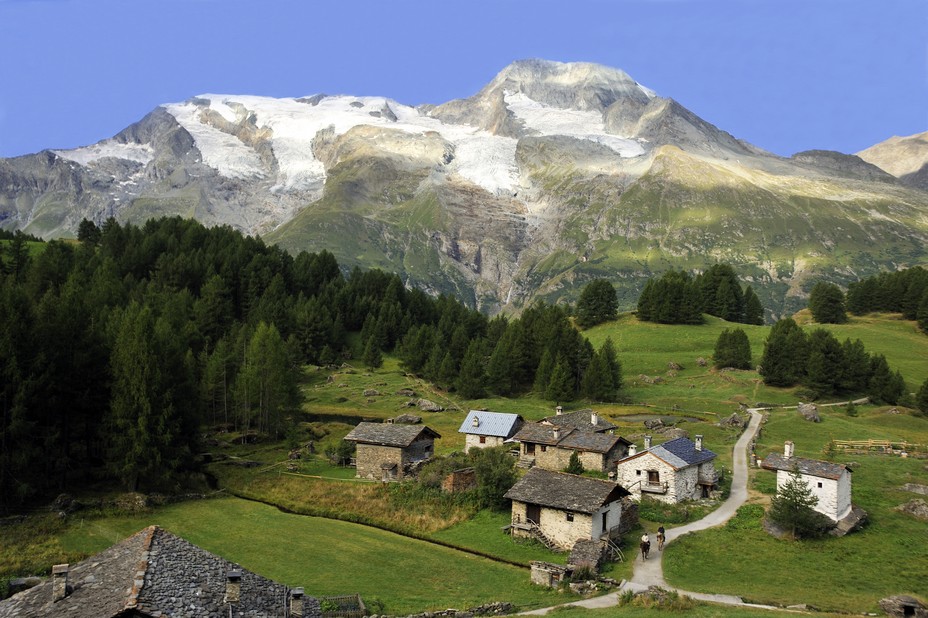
<point x="551" y="175"/>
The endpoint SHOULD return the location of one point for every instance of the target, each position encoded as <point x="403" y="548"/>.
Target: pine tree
<point x="574" y="465"/>
<point x="597" y="304"/>
<point x="825" y="363"/>
<point x="885" y="386"/>
<point x="608" y="353"/>
<point x="826" y="302"/>
<point x="753" y="310"/>
<point x="543" y="372"/>
<point x="785" y="353"/>
<point x="855" y="370"/>
<point x="499" y="368"/>
<point x="732" y="349"/>
<point x="372" y="357"/>
<point x="470" y="379"/>
<point x="645" y="310"/>
<point x="921" y="399"/>
<point x="793" y="508"/>
<point x="597" y="383"/>
<point x="560" y="386"/>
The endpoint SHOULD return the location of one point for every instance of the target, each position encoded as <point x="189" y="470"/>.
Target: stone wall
<point x="370" y="457"/>
<point x="419" y="450"/>
<point x="473" y="441"/>
<point x="634" y="473"/>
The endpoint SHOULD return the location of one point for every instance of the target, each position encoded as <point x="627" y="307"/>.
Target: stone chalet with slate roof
<point x="483" y="429"/>
<point x="829" y="482"/>
<point x="386" y="452"/>
<point x="154" y="573"/>
<point x="550" y="447"/>
<point x="560" y="509"/>
<point x="676" y="470"/>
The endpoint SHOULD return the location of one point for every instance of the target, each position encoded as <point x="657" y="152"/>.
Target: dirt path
<point x="651" y="573"/>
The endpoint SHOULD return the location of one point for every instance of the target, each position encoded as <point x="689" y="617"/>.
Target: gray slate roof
<point x="591" y="442"/>
<point x="812" y="467"/>
<point x="580" y="419"/>
<point x="498" y="424"/>
<point x="538" y="433"/>
<point x="567" y="492"/>
<point x="389" y="435"/>
<point x="153" y="573"/>
<point x="677" y="453"/>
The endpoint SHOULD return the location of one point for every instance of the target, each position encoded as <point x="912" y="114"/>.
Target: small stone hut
<point x="560" y="509"/>
<point x="483" y="429"/>
<point x="387" y="452"/>
<point x="829" y="482"/>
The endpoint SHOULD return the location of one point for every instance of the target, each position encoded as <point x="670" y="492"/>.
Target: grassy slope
<point x="327" y="557"/>
<point x="890" y="556"/>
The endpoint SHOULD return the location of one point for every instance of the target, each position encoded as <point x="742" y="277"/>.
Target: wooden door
<point x="533" y="513"/>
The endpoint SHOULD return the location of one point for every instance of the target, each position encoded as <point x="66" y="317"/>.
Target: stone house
<point x="388" y="452"/>
<point x="677" y="470"/>
<point x="550" y="446"/>
<point x="560" y="509"/>
<point x="154" y="573"/>
<point x="583" y="420"/>
<point x="829" y="482"/>
<point x="486" y="429"/>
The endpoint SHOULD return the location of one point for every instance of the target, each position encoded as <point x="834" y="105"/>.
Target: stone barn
<point x="677" y="470"/>
<point x="486" y="429"/>
<point x="550" y="447"/>
<point x="387" y="452"/>
<point x="153" y="574"/>
<point x="560" y="509"/>
<point x="829" y="482"/>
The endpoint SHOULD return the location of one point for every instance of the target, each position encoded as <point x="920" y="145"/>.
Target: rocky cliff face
<point x="549" y="176"/>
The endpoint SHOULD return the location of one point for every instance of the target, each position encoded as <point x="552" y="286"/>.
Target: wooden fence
<point x="887" y="447"/>
<point x="345" y="606"/>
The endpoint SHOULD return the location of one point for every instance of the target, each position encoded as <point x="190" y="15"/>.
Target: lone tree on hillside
<point x="732" y="349"/>
<point x="921" y="399"/>
<point x="598" y="303"/>
<point x="793" y="508"/>
<point x="826" y="302"/>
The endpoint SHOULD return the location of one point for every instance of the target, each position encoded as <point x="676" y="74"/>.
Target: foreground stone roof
<point x="811" y="467"/>
<point x="154" y="573"/>
<point x="567" y="492"/>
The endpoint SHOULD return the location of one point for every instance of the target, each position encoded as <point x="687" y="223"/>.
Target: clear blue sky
<point x="785" y="75"/>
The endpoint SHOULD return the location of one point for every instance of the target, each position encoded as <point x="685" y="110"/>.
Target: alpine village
<point x="562" y="346"/>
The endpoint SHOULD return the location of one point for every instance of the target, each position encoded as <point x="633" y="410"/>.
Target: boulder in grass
<point x="429" y="406"/>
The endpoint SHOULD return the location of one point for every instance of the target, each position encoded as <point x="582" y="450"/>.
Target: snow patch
<point x="579" y="124"/>
<point x="140" y="153"/>
<point x="225" y="153"/>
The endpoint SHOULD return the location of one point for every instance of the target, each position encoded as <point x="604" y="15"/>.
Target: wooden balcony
<point x="654" y="488"/>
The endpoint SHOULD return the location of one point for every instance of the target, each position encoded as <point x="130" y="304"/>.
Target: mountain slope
<point x="549" y="176"/>
<point x="904" y="157"/>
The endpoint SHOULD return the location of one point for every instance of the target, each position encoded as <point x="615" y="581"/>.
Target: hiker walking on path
<point x="645" y="546"/>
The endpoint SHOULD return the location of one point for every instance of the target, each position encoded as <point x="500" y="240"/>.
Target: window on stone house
<point x="637" y="472"/>
<point x="820" y="485"/>
<point x="544" y="448"/>
<point x="483" y="439"/>
<point x="570" y="517"/>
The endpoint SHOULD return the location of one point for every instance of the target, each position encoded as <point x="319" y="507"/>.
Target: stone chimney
<point x="296" y="603"/>
<point x="476" y="422"/>
<point x="698" y="443"/>
<point x="647" y="442"/>
<point x="233" y="586"/>
<point x="59" y="582"/>
<point x="632" y="450"/>
<point x="559" y="410"/>
<point x="557" y="432"/>
<point x="788" y="449"/>
<point x="594" y="419"/>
